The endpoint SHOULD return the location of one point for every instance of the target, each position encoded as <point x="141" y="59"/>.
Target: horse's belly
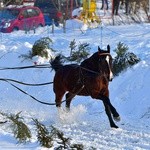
<point x="67" y="79"/>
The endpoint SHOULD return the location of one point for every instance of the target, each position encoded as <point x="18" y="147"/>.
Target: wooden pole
<point x="149" y="11"/>
<point x="53" y="26"/>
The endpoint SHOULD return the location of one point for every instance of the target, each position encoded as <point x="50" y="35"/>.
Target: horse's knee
<point x="58" y="105"/>
<point x="58" y="102"/>
<point x="107" y="109"/>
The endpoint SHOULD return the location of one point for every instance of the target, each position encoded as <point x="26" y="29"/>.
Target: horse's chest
<point x="94" y="81"/>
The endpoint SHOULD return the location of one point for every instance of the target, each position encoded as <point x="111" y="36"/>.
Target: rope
<point x="29" y="84"/>
<point x="37" y="66"/>
<point x="28" y="94"/>
<point x="146" y="33"/>
<point x="26" y="67"/>
<point x="90" y="70"/>
<point x="45" y="103"/>
<point x="8" y="81"/>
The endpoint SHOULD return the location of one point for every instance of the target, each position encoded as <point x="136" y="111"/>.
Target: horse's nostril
<point x="111" y="79"/>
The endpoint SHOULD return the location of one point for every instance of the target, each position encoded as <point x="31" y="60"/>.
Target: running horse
<point x="90" y="78"/>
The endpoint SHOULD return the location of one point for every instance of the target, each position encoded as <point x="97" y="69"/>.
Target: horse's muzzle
<point x="111" y="76"/>
<point x="110" y="79"/>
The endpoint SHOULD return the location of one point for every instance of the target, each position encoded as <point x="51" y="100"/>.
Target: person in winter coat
<point x="116" y="7"/>
<point x="127" y="6"/>
<point x="104" y="2"/>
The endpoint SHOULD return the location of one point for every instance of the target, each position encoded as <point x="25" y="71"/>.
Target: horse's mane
<point x="57" y="62"/>
<point x="90" y="63"/>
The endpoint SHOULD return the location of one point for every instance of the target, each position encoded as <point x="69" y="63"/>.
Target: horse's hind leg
<point x="58" y="98"/>
<point x="69" y="97"/>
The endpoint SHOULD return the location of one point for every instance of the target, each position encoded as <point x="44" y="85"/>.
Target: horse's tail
<point x="56" y="63"/>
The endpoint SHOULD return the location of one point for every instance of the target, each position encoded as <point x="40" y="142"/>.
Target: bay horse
<point x="90" y="78"/>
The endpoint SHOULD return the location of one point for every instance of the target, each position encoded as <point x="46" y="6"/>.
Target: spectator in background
<point x="80" y="2"/>
<point x="116" y="7"/>
<point x="104" y="2"/>
<point x="127" y="7"/>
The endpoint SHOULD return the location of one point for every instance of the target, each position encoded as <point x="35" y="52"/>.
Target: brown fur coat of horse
<point x="90" y="78"/>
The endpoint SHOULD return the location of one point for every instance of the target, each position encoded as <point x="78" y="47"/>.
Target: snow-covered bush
<point x="41" y="47"/>
<point x="78" y="52"/>
<point x="124" y="59"/>
<point x="41" y="52"/>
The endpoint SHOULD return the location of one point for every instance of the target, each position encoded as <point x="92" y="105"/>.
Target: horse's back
<point x="72" y="77"/>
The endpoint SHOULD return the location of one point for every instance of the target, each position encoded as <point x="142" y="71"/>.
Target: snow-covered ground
<point x="87" y="122"/>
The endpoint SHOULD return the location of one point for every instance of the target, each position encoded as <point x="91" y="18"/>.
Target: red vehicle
<point x="20" y="18"/>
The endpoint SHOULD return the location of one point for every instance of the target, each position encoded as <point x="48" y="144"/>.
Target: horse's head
<point x="105" y="62"/>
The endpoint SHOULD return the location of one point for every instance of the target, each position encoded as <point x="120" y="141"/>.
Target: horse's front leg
<point x="110" y="110"/>
<point x="116" y="116"/>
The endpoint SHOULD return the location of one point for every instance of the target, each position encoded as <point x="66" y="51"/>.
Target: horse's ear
<point x="108" y="48"/>
<point x="99" y="49"/>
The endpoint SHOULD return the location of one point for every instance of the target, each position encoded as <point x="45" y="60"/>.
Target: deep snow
<point x="87" y="122"/>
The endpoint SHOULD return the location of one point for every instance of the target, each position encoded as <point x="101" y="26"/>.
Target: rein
<point x="40" y="84"/>
<point x="29" y="84"/>
<point x="44" y="66"/>
<point x="45" y="103"/>
<point x="26" y="67"/>
<point x="89" y="70"/>
<point x="101" y="54"/>
<point x="23" y="83"/>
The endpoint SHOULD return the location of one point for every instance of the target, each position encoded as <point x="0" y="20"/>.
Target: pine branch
<point x="64" y="142"/>
<point x="44" y="137"/>
<point x="77" y="146"/>
<point x="20" y="130"/>
<point x="2" y="122"/>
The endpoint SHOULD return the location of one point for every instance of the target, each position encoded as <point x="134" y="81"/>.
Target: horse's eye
<point x="100" y="59"/>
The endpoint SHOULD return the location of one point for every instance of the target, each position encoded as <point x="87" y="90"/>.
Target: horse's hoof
<point x="67" y="109"/>
<point x="115" y="127"/>
<point x="117" y="118"/>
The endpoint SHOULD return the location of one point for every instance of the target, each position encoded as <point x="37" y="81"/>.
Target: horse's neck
<point x="88" y="63"/>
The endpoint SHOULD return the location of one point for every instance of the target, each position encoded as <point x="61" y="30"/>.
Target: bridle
<point x="104" y="54"/>
<point x="110" y="74"/>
